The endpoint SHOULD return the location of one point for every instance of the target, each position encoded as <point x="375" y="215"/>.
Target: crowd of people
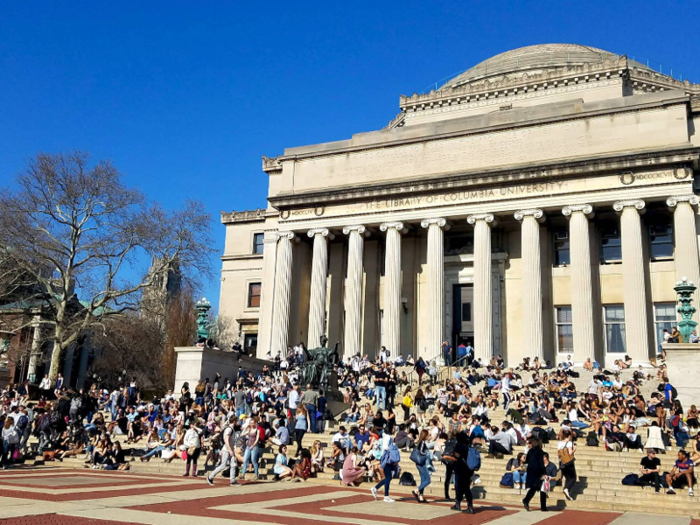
<point x="447" y="416"/>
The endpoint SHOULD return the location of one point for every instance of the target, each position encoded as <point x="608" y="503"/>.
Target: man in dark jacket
<point x="535" y="472"/>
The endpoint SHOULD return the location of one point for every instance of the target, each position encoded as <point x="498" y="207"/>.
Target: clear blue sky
<point x="185" y="97"/>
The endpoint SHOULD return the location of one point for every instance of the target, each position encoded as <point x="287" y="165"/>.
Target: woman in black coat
<point x="535" y="472"/>
<point x="463" y="474"/>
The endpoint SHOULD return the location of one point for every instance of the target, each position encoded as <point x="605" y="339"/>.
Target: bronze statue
<point x="318" y="366"/>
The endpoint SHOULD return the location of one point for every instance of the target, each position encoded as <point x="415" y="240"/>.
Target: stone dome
<point x="537" y="57"/>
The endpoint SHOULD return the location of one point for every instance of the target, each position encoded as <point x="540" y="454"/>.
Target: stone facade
<point x="539" y="204"/>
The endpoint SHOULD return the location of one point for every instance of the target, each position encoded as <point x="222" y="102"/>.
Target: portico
<point x="555" y="226"/>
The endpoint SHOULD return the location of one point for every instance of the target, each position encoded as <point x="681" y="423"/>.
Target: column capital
<point x="441" y="223"/>
<point x="398" y="226"/>
<point x="536" y="213"/>
<point x="359" y="228"/>
<point x="673" y="201"/>
<point x="286" y="235"/>
<point x="486" y="217"/>
<point x="586" y="209"/>
<point x="324" y="232"/>
<point x="637" y="204"/>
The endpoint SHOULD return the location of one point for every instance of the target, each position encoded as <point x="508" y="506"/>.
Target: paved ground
<point x="55" y="496"/>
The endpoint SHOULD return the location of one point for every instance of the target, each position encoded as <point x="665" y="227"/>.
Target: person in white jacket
<point x="654" y="439"/>
<point x="193" y="445"/>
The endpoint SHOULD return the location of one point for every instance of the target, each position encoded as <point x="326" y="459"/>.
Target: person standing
<point x="447" y="352"/>
<point x="301" y="426"/>
<point x="228" y="455"/>
<point x="535" y="474"/>
<point x="252" y="449"/>
<point x="420" y="457"/>
<point x="240" y="401"/>
<point x="380" y="382"/>
<point x="193" y="445"/>
<point x="566" y="451"/>
<point x="463" y="474"/>
<point x="310" y="400"/>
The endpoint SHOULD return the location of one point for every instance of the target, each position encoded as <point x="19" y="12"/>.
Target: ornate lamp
<point x="203" y="307"/>
<point x="685" y="290"/>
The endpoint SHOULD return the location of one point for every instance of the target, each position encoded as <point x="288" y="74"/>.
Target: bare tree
<point x="181" y="327"/>
<point x="68" y="226"/>
<point x="223" y="330"/>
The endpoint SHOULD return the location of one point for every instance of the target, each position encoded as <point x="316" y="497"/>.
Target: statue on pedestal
<point x="685" y="291"/>
<point x="319" y="364"/>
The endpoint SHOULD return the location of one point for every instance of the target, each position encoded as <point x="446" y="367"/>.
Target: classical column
<point x="436" y="283"/>
<point x="686" y="240"/>
<point x="483" y="301"/>
<point x="35" y="353"/>
<point x="634" y="285"/>
<point x="267" y="296"/>
<point x="319" y="272"/>
<point x="581" y="281"/>
<point x="283" y="288"/>
<point x="353" y="291"/>
<point x="392" y="286"/>
<point x="531" y="279"/>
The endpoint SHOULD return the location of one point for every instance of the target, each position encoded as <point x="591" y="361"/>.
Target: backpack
<point x="630" y="479"/>
<point x="551" y="435"/>
<point x="592" y="439"/>
<point x="423" y="404"/>
<point x="473" y="459"/>
<point x="674" y="392"/>
<point x="407" y="479"/>
<point x="448" y="453"/>
<point x="507" y="480"/>
<point x="539" y="434"/>
<point x="392" y="456"/>
<point x="22" y="422"/>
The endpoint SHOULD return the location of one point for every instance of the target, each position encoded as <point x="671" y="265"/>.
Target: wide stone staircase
<point x="598" y="487"/>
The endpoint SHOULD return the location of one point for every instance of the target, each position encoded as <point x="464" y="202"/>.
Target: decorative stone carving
<point x="398" y="226"/>
<point x="271" y="163"/>
<point x="521" y="214"/>
<point x="362" y="230"/>
<point x="586" y="209"/>
<point x="441" y="223"/>
<point x="325" y="232"/>
<point x="621" y="205"/>
<point x="673" y="201"/>
<point x="242" y="216"/>
<point x="486" y="217"/>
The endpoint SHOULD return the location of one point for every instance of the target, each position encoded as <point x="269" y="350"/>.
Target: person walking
<point x="566" y="451"/>
<point x="228" y="455"/>
<point x="390" y="467"/>
<point x="420" y="456"/>
<point x="310" y="401"/>
<point x="535" y="474"/>
<point x="463" y="474"/>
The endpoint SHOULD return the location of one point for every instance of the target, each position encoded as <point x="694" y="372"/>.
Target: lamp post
<point x="203" y="307"/>
<point x="685" y="290"/>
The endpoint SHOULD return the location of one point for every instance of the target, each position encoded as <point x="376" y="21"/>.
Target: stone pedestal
<point x="195" y="363"/>
<point x="683" y="368"/>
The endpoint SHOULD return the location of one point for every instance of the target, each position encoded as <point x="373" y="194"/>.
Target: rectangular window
<point x="254" y="295"/>
<point x="258" y="243"/>
<point x="664" y="319"/>
<point x="466" y="312"/>
<point x="614" y="319"/>
<point x="565" y="329"/>
<point x="250" y="343"/>
<point x="610" y="244"/>
<point x="562" y="255"/>
<point x="661" y="240"/>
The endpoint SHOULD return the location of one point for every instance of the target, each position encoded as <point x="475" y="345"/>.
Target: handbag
<point x="418" y="458"/>
<point x="191" y="451"/>
<point x="565" y="456"/>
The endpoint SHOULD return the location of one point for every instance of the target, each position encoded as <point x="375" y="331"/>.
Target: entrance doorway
<point x="463" y="314"/>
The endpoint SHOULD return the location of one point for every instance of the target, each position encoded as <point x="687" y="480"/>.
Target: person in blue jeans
<point x="422" y="465"/>
<point x="390" y="470"/>
<point x="252" y="450"/>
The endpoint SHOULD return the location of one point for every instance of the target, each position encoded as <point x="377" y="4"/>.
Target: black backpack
<point x="592" y="439"/>
<point x="539" y="434"/>
<point x="448" y="453"/>
<point x="407" y="479"/>
<point x="551" y="435"/>
<point x="630" y="480"/>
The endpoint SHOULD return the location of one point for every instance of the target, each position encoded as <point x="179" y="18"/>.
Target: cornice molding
<point x="243" y="216"/>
